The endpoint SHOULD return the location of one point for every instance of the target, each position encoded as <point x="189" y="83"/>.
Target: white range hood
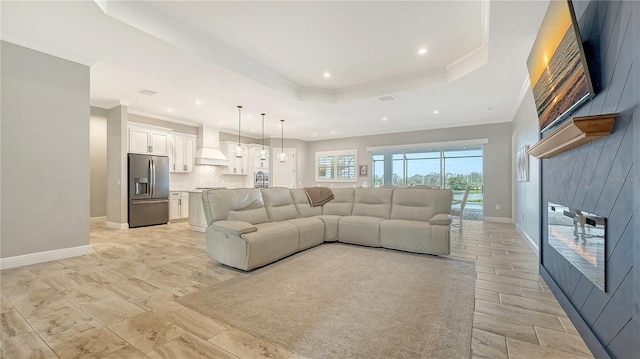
<point x="208" y="151"/>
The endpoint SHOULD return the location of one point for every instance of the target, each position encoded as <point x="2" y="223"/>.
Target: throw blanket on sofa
<point x="318" y="196"/>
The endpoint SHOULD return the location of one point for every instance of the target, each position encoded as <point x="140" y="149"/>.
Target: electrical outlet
<point x="497" y="207"/>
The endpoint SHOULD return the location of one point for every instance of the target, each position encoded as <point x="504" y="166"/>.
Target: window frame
<point x="336" y="165"/>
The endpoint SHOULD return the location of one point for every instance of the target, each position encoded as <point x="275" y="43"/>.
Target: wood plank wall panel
<point x="598" y="178"/>
<point x="628" y="336"/>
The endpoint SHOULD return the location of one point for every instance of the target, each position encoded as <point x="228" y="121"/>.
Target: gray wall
<point x="527" y="194"/>
<point x="497" y="166"/>
<point x="45" y="152"/>
<point x="117" y="167"/>
<point x="597" y="177"/>
<point x="98" y="155"/>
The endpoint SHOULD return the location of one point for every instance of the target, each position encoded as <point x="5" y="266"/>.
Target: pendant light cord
<point x="239" y="121"/>
<point x="263" y="131"/>
<point x="282" y="137"/>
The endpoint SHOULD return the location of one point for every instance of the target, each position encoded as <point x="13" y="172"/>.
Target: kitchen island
<point x="197" y="220"/>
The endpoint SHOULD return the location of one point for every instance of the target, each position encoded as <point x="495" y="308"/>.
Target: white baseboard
<point x="100" y="219"/>
<point x="528" y="239"/>
<point x="40" y="257"/>
<point x="197" y="228"/>
<point x="116" y="225"/>
<point x="498" y="219"/>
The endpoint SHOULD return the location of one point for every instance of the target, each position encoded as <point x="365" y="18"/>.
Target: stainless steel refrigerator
<point x="148" y="190"/>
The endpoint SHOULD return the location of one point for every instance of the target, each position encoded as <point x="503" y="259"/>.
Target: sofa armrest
<point x="234" y="227"/>
<point x="441" y="219"/>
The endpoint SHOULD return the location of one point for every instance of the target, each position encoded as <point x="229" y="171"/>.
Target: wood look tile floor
<point x="120" y="301"/>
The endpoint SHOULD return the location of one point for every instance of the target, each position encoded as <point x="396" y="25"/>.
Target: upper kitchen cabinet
<point x="182" y="152"/>
<point x="237" y="165"/>
<point x="149" y="140"/>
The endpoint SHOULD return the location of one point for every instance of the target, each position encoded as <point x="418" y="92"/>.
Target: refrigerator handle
<point x="151" y="177"/>
<point x="154" y="177"/>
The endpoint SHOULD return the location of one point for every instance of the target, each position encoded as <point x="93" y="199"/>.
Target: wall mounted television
<point x="558" y="67"/>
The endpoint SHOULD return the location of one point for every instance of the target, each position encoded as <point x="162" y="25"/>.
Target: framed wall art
<point x="522" y="164"/>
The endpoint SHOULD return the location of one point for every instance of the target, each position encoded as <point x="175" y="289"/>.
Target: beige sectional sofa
<point x="249" y="228"/>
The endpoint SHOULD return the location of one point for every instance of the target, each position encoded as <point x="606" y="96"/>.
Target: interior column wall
<point x="45" y="152"/>
<point x="117" y="167"/>
<point x="98" y="154"/>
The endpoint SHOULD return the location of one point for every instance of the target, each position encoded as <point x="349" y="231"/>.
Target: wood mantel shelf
<point x="573" y="133"/>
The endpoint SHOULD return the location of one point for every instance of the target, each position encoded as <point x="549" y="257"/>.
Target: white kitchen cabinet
<point x="174" y="205"/>
<point x="184" y="205"/>
<point x="178" y="205"/>
<point x="197" y="219"/>
<point x="182" y="152"/>
<point x="149" y="140"/>
<point x="254" y="157"/>
<point x="237" y="166"/>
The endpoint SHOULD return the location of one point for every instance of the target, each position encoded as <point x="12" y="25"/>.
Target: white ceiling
<point x="270" y="57"/>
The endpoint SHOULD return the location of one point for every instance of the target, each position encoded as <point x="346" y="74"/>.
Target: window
<point x="454" y="167"/>
<point x="336" y="166"/>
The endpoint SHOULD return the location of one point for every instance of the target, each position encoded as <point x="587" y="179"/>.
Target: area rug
<point x="346" y="301"/>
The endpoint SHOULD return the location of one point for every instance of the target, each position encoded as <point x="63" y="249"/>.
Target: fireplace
<point x="580" y="237"/>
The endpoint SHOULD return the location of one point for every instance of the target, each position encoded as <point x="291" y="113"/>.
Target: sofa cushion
<point x="414" y="236"/>
<point x="342" y="203"/>
<point x="243" y="204"/>
<point x="411" y="236"/>
<point x="420" y="204"/>
<point x="330" y="226"/>
<point x="373" y="202"/>
<point x="303" y="207"/>
<point x="270" y="242"/>
<point x="279" y="204"/>
<point x="363" y="230"/>
<point x="310" y="230"/>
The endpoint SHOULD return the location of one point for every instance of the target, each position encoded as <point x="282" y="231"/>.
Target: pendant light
<point x="282" y="157"/>
<point x="239" y="151"/>
<point x="263" y="154"/>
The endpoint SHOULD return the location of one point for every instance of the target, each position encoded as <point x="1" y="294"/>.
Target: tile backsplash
<point x="204" y="176"/>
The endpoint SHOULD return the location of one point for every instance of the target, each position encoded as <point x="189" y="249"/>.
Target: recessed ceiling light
<point x="253" y="130"/>
<point x="315" y="134"/>
<point x="436" y="112"/>
<point x="170" y="109"/>
<point x="333" y="132"/>
<point x="422" y="51"/>
<point x="197" y="102"/>
<point x="147" y="92"/>
<point x="384" y="119"/>
<point x="326" y="74"/>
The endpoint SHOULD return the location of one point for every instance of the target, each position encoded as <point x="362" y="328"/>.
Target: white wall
<point x="527" y="194"/>
<point x="45" y="152"/>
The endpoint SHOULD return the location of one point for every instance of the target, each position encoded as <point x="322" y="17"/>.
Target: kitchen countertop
<point x="197" y="190"/>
